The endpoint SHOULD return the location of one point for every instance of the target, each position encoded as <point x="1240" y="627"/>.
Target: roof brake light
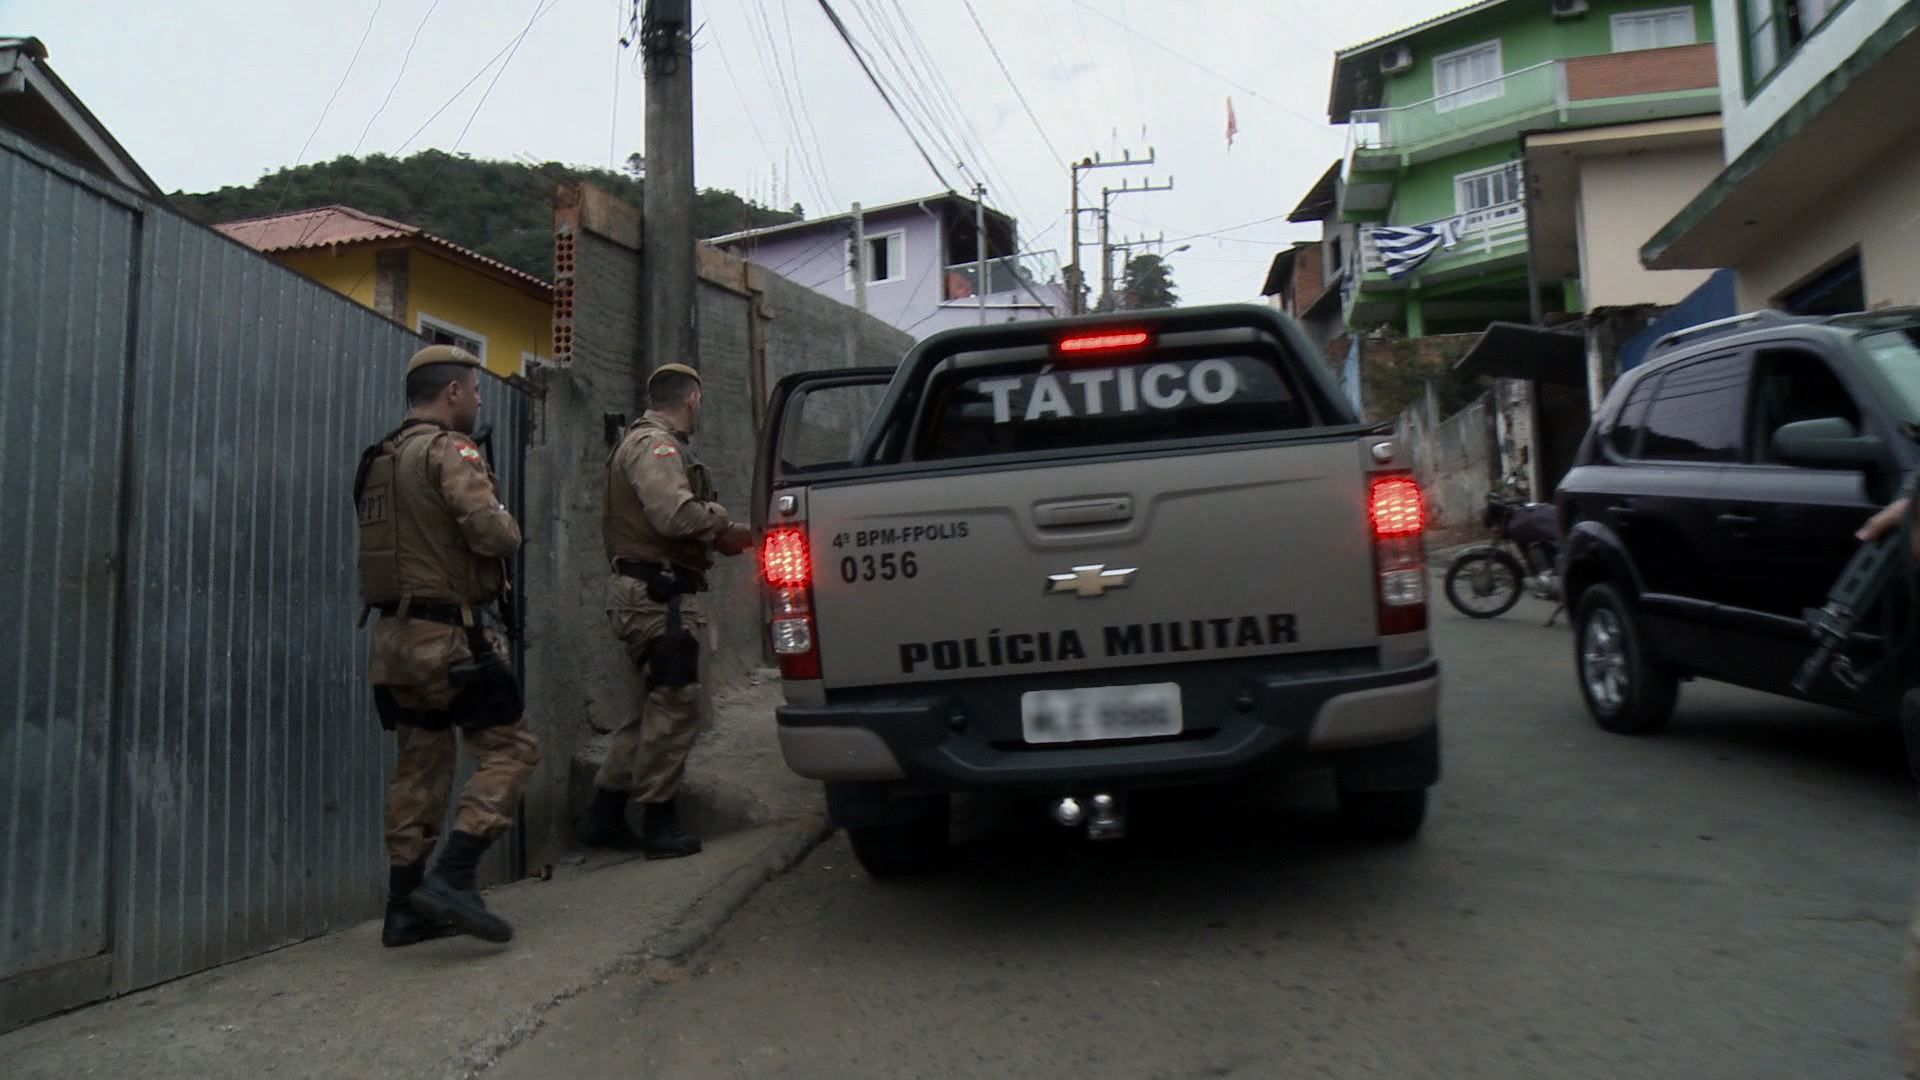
<point x="1109" y="342"/>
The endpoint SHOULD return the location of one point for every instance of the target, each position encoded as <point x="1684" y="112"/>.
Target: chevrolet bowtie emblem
<point x="1089" y="581"/>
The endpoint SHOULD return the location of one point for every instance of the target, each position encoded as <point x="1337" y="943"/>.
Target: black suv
<point x="1715" y="499"/>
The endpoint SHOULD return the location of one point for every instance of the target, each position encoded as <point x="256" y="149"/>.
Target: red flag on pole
<point x="1233" y="124"/>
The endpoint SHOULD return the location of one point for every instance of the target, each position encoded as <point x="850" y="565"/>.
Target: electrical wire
<point x="484" y="68"/>
<point x="395" y="85"/>
<point x="846" y="37"/>
<point x="1015" y="86"/>
<point x="767" y="49"/>
<point x="800" y="87"/>
<point x="327" y="108"/>
<point x="752" y="124"/>
<point x="1191" y="62"/>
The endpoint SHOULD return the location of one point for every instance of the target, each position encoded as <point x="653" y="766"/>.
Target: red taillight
<point x="1397" y="508"/>
<point x="1397" y="513"/>
<point x="1107" y="342"/>
<point x="784" y="560"/>
<point x="786" y="565"/>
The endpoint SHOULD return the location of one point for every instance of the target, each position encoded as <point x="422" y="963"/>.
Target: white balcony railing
<point x="1527" y="92"/>
<point x="1478" y="234"/>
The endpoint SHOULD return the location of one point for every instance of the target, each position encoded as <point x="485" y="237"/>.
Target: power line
<point x="457" y="94"/>
<point x="766" y="47"/>
<point x="395" y="85"/>
<point x="1037" y="126"/>
<point x="328" y="107"/>
<point x="786" y="17"/>
<point x="847" y="38"/>
<point x="752" y="124"/>
<point x="488" y="92"/>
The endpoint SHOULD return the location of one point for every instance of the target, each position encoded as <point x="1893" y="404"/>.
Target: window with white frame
<point x="442" y="332"/>
<point x="1485" y="188"/>
<point x="1656" y="29"/>
<point x="886" y="258"/>
<point x="1466" y="77"/>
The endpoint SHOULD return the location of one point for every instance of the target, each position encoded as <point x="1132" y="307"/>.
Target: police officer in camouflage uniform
<point x="662" y="525"/>
<point x="433" y="537"/>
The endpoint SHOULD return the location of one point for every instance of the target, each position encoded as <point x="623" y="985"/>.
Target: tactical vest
<point x="624" y="524"/>
<point x="410" y="546"/>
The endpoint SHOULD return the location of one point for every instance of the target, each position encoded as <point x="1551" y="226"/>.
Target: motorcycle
<point x="1486" y="580"/>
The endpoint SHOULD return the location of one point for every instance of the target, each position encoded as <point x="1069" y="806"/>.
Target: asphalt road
<point x="1726" y="899"/>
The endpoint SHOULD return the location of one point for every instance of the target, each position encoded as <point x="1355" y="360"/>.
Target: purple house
<point x="923" y="271"/>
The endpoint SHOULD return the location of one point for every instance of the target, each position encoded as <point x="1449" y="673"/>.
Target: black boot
<point x="661" y="836"/>
<point x="605" y="823"/>
<point x="449" y="896"/>
<point x="405" y="926"/>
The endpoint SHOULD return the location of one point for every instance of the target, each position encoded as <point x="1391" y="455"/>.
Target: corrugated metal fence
<point x="190" y="771"/>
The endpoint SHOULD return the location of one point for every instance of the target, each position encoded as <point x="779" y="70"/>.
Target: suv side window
<point x="1790" y="385"/>
<point x="1624" y="436"/>
<point x="1698" y="413"/>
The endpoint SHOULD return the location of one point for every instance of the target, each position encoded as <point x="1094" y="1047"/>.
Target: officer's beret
<point x="672" y="369"/>
<point x="442" y="354"/>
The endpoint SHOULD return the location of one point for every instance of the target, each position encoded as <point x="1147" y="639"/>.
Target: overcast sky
<point x="211" y="92"/>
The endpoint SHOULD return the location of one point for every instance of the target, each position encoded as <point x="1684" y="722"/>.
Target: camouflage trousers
<point x="410" y="658"/>
<point x="649" y="752"/>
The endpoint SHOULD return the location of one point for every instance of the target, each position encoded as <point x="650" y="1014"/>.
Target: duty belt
<point x="451" y="614"/>
<point x="683" y="580"/>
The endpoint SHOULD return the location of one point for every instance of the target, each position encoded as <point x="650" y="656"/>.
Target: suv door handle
<point x="1741" y="524"/>
<point x="1622" y="513"/>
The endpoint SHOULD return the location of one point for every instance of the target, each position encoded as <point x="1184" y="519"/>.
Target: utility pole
<point x="1107" y="195"/>
<point x="980" y="248"/>
<point x="1076" y="280"/>
<point x="859" y="258"/>
<point x="667" y="248"/>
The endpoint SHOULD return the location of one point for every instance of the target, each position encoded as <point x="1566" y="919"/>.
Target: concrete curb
<point x="687" y="931"/>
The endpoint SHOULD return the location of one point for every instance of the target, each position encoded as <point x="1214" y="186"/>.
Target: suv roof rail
<point x="1719" y="326"/>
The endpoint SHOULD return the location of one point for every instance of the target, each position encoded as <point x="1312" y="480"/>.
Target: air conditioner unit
<point x="1569" y="9"/>
<point x="1395" y="59"/>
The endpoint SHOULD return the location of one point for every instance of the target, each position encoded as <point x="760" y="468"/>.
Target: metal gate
<point x="190" y="771"/>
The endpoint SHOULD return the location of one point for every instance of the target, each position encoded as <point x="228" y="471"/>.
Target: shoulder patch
<point x="665" y="449"/>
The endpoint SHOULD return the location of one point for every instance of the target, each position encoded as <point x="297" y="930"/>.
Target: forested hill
<point x="499" y="208"/>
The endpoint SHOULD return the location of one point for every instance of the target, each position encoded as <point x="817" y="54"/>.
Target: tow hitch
<point x="1102" y="814"/>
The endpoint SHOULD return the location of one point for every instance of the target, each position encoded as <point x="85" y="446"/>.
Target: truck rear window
<point x="1085" y="405"/>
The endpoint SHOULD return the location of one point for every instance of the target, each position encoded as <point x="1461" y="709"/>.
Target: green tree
<point x="502" y="209"/>
<point x="1147" y="283"/>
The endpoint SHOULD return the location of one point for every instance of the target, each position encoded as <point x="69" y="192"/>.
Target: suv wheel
<point x="1626" y="691"/>
<point x="1383" y="816"/>
<point x="906" y="849"/>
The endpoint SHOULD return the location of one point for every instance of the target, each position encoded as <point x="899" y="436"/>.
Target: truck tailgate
<point x="1098" y="564"/>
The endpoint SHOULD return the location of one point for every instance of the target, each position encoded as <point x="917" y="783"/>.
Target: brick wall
<point x="1643" y="71"/>
<point x="1309" y="277"/>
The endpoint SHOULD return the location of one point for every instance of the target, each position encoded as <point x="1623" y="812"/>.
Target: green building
<point x="1439" y="118"/>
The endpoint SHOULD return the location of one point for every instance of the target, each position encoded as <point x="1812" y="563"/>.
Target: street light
<point x="1181" y="248"/>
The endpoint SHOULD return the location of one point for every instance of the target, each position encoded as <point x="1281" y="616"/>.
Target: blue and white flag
<point x="1403" y="248"/>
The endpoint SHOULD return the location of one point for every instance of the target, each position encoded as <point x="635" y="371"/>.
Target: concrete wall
<point x="1455" y="459"/>
<point x="1749" y="118"/>
<point x="1876" y="215"/>
<point x="754" y="327"/>
<point x="1625" y="198"/>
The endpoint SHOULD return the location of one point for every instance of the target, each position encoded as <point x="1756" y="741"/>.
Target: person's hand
<point x="734" y="539"/>
<point x="1881" y="523"/>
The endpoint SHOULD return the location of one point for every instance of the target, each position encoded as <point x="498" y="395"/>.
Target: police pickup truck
<point x="1077" y="558"/>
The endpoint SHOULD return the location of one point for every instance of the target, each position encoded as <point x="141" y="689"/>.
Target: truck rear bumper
<point x="953" y="740"/>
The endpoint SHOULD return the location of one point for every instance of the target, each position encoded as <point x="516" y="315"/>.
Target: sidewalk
<point x="343" y="1006"/>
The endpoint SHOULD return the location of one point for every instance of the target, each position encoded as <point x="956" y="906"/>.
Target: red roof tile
<point x="343" y="226"/>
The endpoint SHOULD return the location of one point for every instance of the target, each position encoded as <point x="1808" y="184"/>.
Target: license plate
<point x="1101" y="712"/>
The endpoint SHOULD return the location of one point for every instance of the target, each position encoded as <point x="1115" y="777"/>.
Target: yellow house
<point x="443" y="291"/>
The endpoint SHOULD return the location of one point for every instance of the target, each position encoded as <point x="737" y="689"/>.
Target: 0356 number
<point x="885" y="567"/>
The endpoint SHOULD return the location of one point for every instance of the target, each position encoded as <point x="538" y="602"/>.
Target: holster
<point x="673" y="660"/>
<point x="486" y="694"/>
<point x="392" y="714"/>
